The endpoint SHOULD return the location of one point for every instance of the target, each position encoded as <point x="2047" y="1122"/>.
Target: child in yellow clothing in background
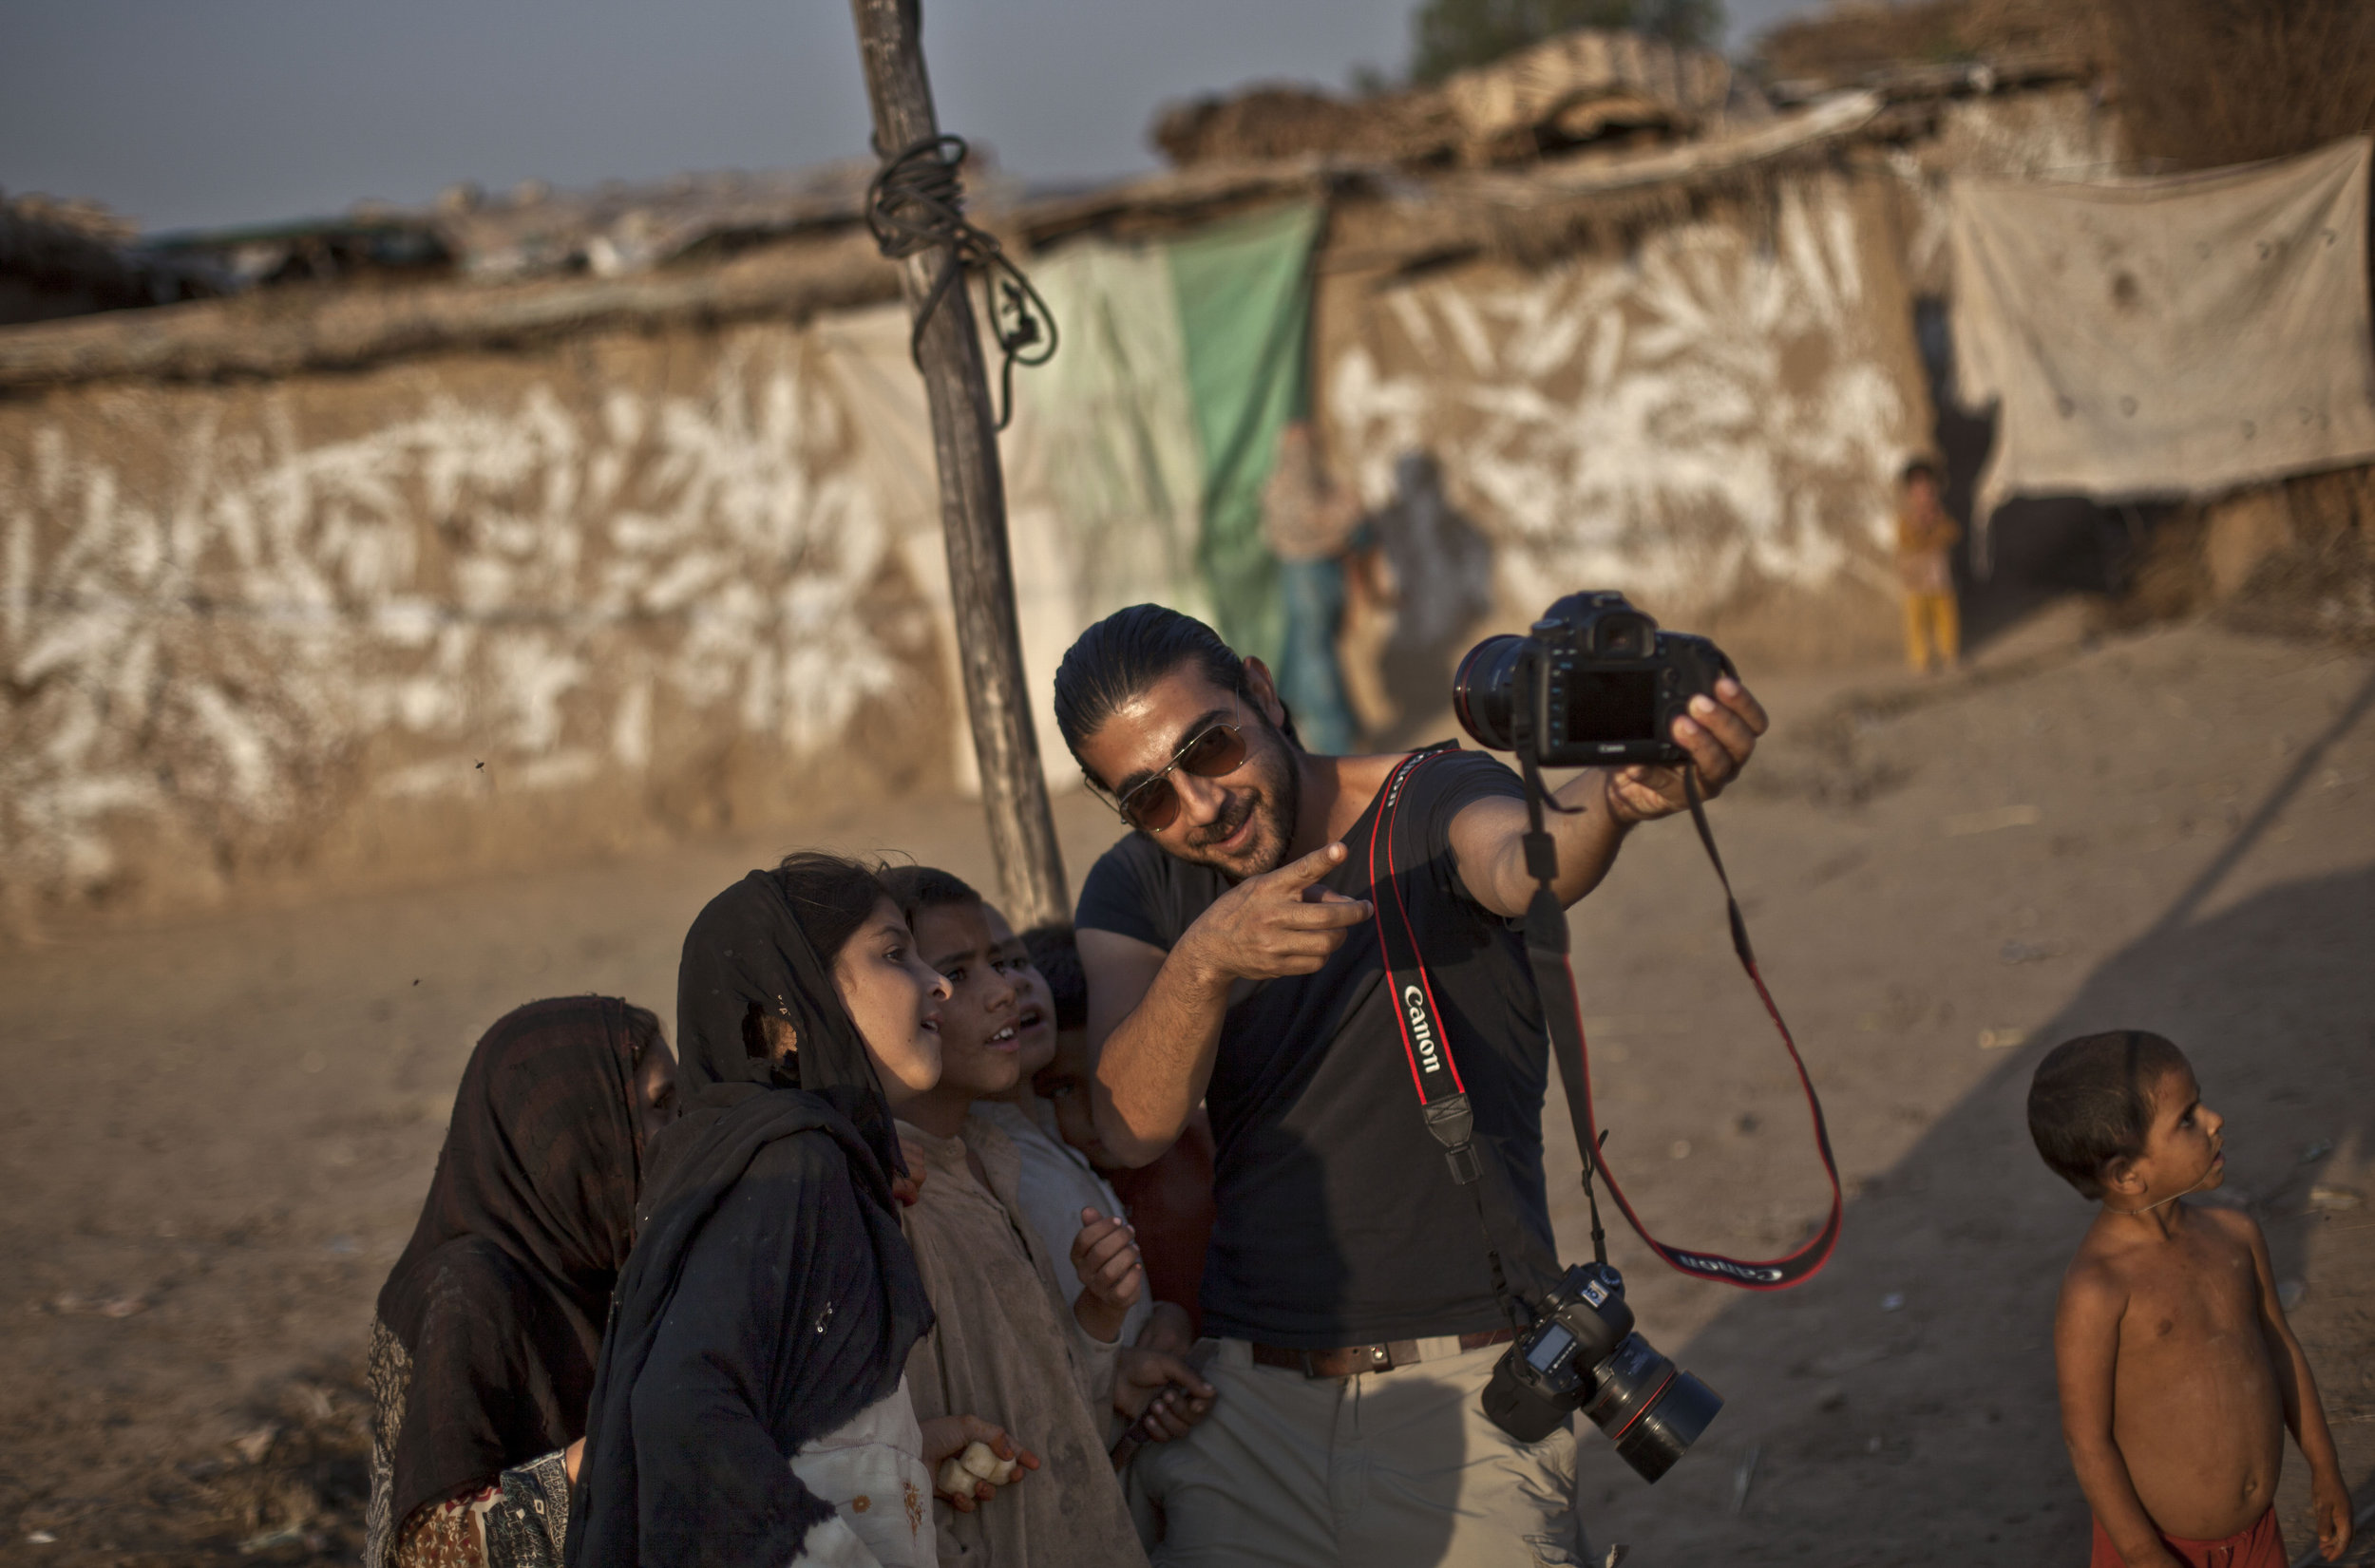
<point x="1925" y="533"/>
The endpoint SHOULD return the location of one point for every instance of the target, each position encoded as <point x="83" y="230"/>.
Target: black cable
<point x="916" y="204"/>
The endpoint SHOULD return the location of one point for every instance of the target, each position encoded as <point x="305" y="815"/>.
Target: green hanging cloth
<point x="1244" y="290"/>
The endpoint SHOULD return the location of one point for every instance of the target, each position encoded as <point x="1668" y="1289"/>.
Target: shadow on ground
<point x="1868" y="1419"/>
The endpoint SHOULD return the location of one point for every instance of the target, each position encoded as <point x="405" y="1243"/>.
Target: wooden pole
<point x="973" y="500"/>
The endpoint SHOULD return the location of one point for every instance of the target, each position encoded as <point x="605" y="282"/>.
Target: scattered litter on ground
<point x="1969" y="823"/>
<point x="1893" y="1301"/>
<point x="2001" y="1039"/>
<point x="267" y="1540"/>
<point x="2335" y="1198"/>
<point x="1745" y="1477"/>
<point x="71" y="1305"/>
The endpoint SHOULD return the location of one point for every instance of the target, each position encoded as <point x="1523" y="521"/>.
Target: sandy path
<point x="217" y="1132"/>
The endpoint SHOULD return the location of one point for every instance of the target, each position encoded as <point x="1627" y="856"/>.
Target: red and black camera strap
<point x="1442" y="1097"/>
<point x="1435" y="1074"/>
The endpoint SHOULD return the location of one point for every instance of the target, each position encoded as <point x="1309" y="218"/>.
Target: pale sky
<point x="187" y="113"/>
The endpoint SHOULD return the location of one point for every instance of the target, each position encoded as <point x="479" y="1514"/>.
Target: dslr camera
<point x="1582" y="1353"/>
<point x="1611" y="688"/>
<point x="1594" y="684"/>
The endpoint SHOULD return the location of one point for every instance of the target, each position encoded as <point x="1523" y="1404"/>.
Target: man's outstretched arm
<point x="1487" y="838"/>
<point x="1154" y="1017"/>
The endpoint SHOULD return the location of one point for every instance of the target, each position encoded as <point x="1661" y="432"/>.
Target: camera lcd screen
<point x="1547" y="1350"/>
<point x="1611" y="704"/>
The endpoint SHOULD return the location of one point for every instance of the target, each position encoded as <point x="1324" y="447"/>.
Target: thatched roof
<point x="278" y="332"/>
<point x="1559" y="94"/>
<point x="1872" y="43"/>
<point x="616" y="230"/>
<point x="81" y="248"/>
<point x="790" y="245"/>
<point x="1521" y="211"/>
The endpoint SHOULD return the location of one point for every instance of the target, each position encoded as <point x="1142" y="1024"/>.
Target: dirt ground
<point x="217" y="1132"/>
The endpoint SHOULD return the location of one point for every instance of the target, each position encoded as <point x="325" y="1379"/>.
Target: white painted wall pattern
<point x="507" y="581"/>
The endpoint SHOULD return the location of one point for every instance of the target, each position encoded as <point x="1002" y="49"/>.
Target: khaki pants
<point x="1384" y="1470"/>
<point x="1931" y="624"/>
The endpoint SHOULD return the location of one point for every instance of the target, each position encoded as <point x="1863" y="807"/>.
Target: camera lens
<point x="1650" y="1408"/>
<point x="1481" y="690"/>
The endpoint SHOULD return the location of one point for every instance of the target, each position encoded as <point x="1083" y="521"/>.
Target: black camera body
<point x="1582" y="1353"/>
<point x="1615" y="685"/>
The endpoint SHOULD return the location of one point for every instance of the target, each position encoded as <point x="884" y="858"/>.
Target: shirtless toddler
<point x="2179" y="1373"/>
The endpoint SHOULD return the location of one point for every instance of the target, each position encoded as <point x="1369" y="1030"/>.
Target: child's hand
<point x="907" y="1186"/>
<point x="1168" y="1330"/>
<point x="949" y="1442"/>
<point x="1105" y="1256"/>
<point x="2332" y="1500"/>
<point x="1160" y="1393"/>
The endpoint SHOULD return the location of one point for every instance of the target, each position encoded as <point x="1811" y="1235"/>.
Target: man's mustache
<point x="1222" y="825"/>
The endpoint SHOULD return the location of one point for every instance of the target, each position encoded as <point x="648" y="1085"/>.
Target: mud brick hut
<point x="525" y="527"/>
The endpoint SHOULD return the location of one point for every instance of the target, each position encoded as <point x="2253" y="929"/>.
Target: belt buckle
<point x="1386" y="1357"/>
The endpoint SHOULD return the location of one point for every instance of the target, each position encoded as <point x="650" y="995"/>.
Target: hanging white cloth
<point x="2167" y="338"/>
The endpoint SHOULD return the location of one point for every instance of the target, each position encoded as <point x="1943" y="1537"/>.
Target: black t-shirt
<point x="1340" y="1223"/>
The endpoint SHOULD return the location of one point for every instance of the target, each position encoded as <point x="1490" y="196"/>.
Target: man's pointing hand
<point x="1277" y="924"/>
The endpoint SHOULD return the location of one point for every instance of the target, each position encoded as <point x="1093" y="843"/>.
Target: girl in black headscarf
<point x="483" y="1348"/>
<point x="749" y="1407"/>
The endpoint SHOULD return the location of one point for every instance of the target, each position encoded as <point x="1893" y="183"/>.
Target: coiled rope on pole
<point x="916" y="204"/>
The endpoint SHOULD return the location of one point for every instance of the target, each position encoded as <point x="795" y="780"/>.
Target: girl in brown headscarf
<point x="483" y="1349"/>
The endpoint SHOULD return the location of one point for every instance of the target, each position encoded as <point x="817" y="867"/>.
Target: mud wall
<point x="460" y="610"/>
<point x="1710" y="418"/>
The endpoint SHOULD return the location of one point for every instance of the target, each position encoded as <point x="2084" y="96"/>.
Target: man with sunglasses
<point x="1231" y="960"/>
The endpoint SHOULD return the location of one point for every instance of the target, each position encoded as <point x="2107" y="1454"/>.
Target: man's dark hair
<point x="1129" y="651"/>
<point x="2091" y="1102"/>
<point x="1056" y="953"/>
<point x="916" y="888"/>
<point x="1922" y="468"/>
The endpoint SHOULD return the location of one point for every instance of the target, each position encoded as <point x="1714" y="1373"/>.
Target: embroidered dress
<point x="515" y="1521"/>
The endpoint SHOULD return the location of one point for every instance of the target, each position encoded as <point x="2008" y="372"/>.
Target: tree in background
<point x="1450" y="35"/>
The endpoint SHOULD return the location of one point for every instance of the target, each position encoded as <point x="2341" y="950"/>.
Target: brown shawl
<point x="1004" y="1346"/>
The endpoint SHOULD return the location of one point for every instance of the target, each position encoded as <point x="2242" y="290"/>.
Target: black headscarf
<point x="771" y="1297"/>
<point x="748" y="945"/>
<point x="499" y="1299"/>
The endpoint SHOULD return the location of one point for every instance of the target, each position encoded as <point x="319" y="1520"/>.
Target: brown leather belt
<point x="1352" y="1360"/>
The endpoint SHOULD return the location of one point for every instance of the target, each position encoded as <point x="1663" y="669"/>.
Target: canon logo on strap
<point x="1414" y="1003"/>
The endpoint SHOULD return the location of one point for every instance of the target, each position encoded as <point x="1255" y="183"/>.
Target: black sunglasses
<point x="1154" y="805"/>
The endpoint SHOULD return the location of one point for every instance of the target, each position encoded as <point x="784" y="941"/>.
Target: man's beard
<point x="1273" y="802"/>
